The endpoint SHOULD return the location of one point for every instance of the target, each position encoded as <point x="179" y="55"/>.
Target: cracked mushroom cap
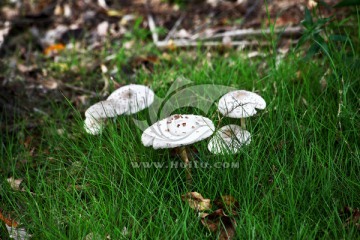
<point x="177" y="130"/>
<point x="240" y="104"/>
<point x="133" y="98"/>
<point x="229" y="139"/>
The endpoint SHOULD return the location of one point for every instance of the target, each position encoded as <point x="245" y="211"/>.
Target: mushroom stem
<point x="185" y="158"/>
<point x="243" y="125"/>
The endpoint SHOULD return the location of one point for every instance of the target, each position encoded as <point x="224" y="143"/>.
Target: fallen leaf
<point x="93" y="236"/>
<point x="229" y="203"/>
<point x="15" y="183"/>
<point x="4" y="32"/>
<point x="114" y="13"/>
<point x="17" y="233"/>
<point x="129" y="44"/>
<point x="102" y="28"/>
<point x="27" y="142"/>
<point x="182" y="33"/>
<point x="171" y="45"/>
<point x="323" y="81"/>
<point x="54" y="49"/>
<point x="196" y="201"/>
<point x="218" y="221"/>
<point x="25" y="69"/>
<point x="8" y="221"/>
<point x="50" y="84"/>
<point x="126" y="19"/>
<point x="311" y="4"/>
<point x="353" y="216"/>
<point x="145" y="62"/>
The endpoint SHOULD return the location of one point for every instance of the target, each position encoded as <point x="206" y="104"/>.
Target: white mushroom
<point x="240" y="104"/>
<point x="177" y="131"/>
<point x="229" y="139"/>
<point x="125" y="100"/>
<point x="105" y="109"/>
<point x="133" y="97"/>
<point x="93" y="126"/>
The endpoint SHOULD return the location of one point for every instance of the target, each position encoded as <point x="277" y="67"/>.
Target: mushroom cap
<point x="93" y="126"/>
<point x="229" y="139"/>
<point x="177" y="130"/>
<point x="240" y="104"/>
<point x="133" y="97"/>
<point x="105" y="109"/>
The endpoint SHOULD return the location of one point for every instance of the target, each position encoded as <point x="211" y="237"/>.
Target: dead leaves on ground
<point x="352" y="216"/>
<point x="218" y="221"/>
<point x="15" y="183"/>
<point x="8" y="221"/>
<point x="196" y="201"/>
<point x="15" y="232"/>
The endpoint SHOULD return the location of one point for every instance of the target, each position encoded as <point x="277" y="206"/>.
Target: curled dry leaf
<point x="14" y="183"/>
<point x="196" y="201"/>
<point x="218" y="221"/>
<point x="8" y="221"/>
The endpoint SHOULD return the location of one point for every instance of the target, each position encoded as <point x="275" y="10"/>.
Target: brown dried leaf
<point x="219" y="221"/>
<point x="8" y="221"/>
<point x="50" y="84"/>
<point x="144" y="62"/>
<point x="229" y="203"/>
<point x="54" y="49"/>
<point x="323" y="81"/>
<point x="196" y="201"/>
<point x="353" y="216"/>
<point x="14" y="183"/>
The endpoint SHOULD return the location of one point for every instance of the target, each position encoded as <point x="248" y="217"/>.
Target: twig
<point x="151" y="23"/>
<point x="79" y="89"/>
<point x="188" y="43"/>
<point x="254" y="32"/>
<point x="174" y="28"/>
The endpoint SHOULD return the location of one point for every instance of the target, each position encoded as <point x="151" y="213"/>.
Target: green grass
<point x="292" y="181"/>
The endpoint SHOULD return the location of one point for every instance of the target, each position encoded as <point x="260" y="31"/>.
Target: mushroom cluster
<point x="126" y="100"/>
<point x="179" y="130"/>
<point x="235" y="104"/>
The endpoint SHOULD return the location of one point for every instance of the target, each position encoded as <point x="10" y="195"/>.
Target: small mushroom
<point x="229" y="139"/>
<point x="178" y="131"/>
<point x="133" y="97"/>
<point x="125" y="100"/>
<point x="240" y="104"/>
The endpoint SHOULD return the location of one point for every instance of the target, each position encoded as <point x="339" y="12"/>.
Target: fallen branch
<point x="251" y="32"/>
<point x="189" y="43"/>
<point x="151" y="23"/>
